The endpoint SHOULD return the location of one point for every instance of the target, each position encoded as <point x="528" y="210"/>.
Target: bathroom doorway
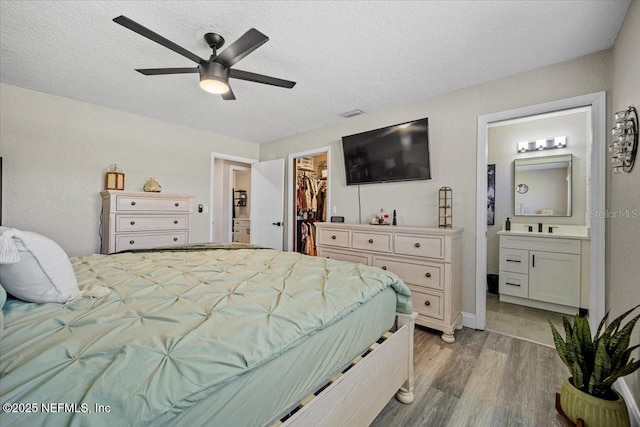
<point x="309" y="197"/>
<point x="594" y="195"/>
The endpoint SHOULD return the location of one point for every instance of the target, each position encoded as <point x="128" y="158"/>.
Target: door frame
<point x="291" y="219"/>
<point x="212" y="187"/>
<point x="597" y="102"/>
<point x="232" y="178"/>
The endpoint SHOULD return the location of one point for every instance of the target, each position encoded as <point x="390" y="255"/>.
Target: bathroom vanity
<point x="545" y="270"/>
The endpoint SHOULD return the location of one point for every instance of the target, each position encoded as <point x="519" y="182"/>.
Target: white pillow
<point x="44" y="272"/>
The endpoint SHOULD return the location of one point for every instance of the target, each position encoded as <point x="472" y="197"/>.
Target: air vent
<point x="352" y="113"/>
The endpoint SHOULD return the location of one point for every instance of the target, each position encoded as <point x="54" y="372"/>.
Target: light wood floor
<point x="483" y="379"/>
<point x="527" y="323"/>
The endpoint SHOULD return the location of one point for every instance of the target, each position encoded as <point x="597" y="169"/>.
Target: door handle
<point x="279" y="224"/>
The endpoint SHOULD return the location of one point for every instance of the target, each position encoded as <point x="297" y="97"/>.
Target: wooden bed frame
<point x="354" y="398"/>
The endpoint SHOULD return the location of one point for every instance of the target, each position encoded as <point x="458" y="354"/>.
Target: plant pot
<point x="595" y="412"/>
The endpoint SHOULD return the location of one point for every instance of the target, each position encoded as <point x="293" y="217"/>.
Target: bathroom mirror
<point x="542" y="186"/>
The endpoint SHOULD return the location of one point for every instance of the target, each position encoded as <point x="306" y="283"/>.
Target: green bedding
<point x="176" y="326"/>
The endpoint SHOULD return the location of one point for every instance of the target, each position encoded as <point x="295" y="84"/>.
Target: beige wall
<point x="55" y="152"/>
<point x="623" y="231"/>
<point x="453" y="133"/>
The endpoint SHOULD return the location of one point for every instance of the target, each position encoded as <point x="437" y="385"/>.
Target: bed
<point x="229" y="335"/>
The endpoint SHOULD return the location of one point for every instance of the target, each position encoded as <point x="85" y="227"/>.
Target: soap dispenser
<point x="507" y="224"/>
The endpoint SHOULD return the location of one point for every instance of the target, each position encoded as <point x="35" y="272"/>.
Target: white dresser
<point x="139" y="220"/>
<point x="541" y="270"/>
<point x="426" y="259"/>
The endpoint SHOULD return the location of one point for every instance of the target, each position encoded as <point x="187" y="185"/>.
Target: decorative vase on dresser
<point x="141" y="220"/>
<point x="427" y="259"/>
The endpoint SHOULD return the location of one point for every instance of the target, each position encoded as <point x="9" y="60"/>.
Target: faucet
<point x="539" y="227"/>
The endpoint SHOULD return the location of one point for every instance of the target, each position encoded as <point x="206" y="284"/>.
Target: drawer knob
<point x="428" y="274"/>
<point x="427" y="302"/>
<point x="370" y="240"/>
<point x="177" y="204"/>
<point x="132" y="223"/>
<point x="333" y="237"/>
<point x="175" y="239"/>
<point x="133" y="203"/>
<point x="384" y="267"/>
<point x="175" y="221"/>
<point x="417" y="245"/>
<point x="131" y="242"/>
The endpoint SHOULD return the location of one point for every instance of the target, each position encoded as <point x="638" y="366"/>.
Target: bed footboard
<point x="357" y="396"/>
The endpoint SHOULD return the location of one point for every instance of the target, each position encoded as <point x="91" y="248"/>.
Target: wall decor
<point x="624" y="145"/>
<point x="491" y="194"/>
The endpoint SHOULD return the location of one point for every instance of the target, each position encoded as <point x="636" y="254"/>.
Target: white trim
<point x="291" y="219"/>
<point x="597" y="101"/>
<point x="632" y="405"/>
<point x="214" y="156"/>
<point x="469" y="320"/>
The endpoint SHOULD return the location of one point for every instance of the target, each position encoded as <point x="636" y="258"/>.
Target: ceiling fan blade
<point x="160" y="71"/>
<point x="145" y="32"/>
<point x="247" y="43"/>
<point x="228" y="96"/>
<point x="260" y="78"/>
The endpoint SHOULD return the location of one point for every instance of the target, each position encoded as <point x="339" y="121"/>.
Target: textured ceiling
<point x="344" y="55"/>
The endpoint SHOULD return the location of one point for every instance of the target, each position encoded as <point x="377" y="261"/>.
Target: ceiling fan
<point x="216" y="71"/>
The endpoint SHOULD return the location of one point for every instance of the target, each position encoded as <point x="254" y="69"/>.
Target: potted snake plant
<point x="595" y="364"/>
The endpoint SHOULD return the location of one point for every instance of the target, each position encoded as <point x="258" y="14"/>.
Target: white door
<point x="267" y="203"/>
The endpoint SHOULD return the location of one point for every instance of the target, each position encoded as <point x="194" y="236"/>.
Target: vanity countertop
<point x="560" y="232"/>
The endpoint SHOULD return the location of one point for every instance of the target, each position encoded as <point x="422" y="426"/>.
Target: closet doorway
<point x="240" y="194"/>
<point x="309" y="179"/>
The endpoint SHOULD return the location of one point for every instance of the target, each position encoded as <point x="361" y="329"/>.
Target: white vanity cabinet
<point x="428" y="260"/>
<point x="540" y="271"/>
<point x="141" y="220"/>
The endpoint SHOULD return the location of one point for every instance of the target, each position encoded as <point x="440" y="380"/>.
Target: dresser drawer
<point x="514" y="284"/>
<point x="144" y="241"/>
<point x="430" y="275"/>
<point x="427" y="303"/>
<point x="133" y="203"/>
<point x="514" y="260"/>
<point x="341" y="256"/>
<point x="422" y="246"/>
<point x="151" y="222"/>
<point x="332" y="237"/>
<point x="380" y="242"/>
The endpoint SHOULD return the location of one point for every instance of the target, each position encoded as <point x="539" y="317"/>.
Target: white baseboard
<point x="632" y="405"/>
<point x="469" y="320"/>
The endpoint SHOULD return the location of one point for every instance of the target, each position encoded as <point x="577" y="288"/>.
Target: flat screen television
<point x="394" y="153"/>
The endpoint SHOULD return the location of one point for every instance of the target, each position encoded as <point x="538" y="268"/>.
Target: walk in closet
<point x="311" y="200"/>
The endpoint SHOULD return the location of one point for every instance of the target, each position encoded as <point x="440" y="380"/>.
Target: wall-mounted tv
<point x="394" y="153"/>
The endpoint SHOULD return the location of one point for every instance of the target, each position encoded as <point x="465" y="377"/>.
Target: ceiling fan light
<point x="214" y="85"/>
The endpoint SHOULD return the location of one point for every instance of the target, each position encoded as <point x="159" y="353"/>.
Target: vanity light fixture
<point x="542" y="144"/>
<point x="624" y="144"/>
